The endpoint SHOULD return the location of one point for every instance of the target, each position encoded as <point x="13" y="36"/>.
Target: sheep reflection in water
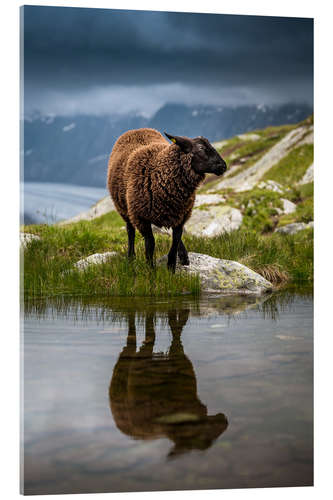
<point x="155" y="395"/>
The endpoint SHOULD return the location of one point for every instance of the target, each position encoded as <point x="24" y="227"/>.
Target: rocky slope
<point x="268" y="185"/>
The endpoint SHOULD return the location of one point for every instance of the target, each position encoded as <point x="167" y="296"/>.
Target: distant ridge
<point x="75" y="149"/>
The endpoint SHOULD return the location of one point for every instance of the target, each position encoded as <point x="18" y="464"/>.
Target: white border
<point x="323" y="230"/>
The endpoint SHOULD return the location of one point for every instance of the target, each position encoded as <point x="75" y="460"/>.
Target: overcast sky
<point x="99" y="61"/>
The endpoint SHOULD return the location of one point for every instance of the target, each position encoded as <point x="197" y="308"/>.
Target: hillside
<point x="270" y="176"/>
<point x="268" y="184"/>
<point x="75" y="149"/>
<point x="259" y="214"/>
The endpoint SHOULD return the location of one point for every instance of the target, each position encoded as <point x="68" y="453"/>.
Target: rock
<point x="308" y="138"/>
<point x="161" y="230"/>
<point x="271" y="186"/>
<point x="288" y="207"/>
<point x="294" y="227"/>
<point x="248" y="178"/>
<point x="103" y="206"/>
<point x="26" y="238"/>
<point x="208" y="199"/>
<point x="213" y="221"/>
<point x="219" y="144"/>
<point x="248" y="137"/>
<point x="224" y="276"/>
<point x="307" y="177"/>
<point x="96" y="258"/>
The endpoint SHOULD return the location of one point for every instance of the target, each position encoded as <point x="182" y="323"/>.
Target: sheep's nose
<point x="221" y="168"/>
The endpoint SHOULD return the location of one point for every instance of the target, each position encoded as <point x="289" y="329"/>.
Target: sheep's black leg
<point x="147" y="233"/>
<point x="130" y="348"/>
<point x="176" y="325"/>
<point x="131" y="336"/>
<point x="182" y="254"/>
<point x="172" y="255"/>
<point x="146" y="350"/>
<point x="131" y="238"/>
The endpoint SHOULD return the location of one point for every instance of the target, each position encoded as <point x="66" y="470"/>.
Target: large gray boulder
<point x="214" y="220"/>
<point x="224" y="276"/>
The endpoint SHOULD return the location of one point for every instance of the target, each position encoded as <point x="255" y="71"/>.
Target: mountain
<point x="75" y="149"/>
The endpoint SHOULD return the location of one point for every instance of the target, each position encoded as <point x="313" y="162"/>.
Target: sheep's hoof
<point x="172" y="267"/>
<point x="185" y="262"/>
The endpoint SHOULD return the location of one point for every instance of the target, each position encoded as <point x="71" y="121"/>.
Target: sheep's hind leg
<point x="172" y="255"/>
<point x="182" y="254"/>
<point x="131" y="239"/>
<point x="147" y="233"/>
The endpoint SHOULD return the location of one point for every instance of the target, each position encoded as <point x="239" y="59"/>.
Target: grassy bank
<point x="48" y="263"/>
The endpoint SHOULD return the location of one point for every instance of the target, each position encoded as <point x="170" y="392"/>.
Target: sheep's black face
<point x="206" y="160"/>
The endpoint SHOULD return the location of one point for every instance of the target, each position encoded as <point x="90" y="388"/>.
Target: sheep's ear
<point x="184" y="143"/>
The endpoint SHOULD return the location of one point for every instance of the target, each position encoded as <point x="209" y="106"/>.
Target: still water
<point x="49" y="202"/>
<point x="146" y="394"/>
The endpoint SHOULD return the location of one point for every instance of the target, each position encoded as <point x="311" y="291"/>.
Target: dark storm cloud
<point x="73" y="50"/>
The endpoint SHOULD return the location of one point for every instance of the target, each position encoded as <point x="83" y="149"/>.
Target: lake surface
<point x="46" y="202"/>
<point x="146" y="394"/>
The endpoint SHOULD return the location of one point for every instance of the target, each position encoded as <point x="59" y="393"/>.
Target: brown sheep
<point x="153" y="182"/>
<point x="148" y="391"/>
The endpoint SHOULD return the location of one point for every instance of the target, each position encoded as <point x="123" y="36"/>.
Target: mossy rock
<point x="225" y="276"/>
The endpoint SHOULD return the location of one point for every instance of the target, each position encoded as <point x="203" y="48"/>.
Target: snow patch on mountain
<point x="69" y="127"/>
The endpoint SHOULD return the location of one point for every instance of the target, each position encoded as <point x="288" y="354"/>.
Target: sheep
<point x="153" y="182"/>
<point x="146" y="388"/>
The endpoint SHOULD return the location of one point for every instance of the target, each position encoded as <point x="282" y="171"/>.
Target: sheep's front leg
<point x="147" y="233"/>
<point x="131" y="239"/>
<point x="172" y="255"/>
<point x="146" y="350"/>
<point x="182" y="254"/>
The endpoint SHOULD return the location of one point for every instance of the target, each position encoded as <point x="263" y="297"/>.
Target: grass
<point x="48" y="263"/>
<point x="48" y="272"/>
